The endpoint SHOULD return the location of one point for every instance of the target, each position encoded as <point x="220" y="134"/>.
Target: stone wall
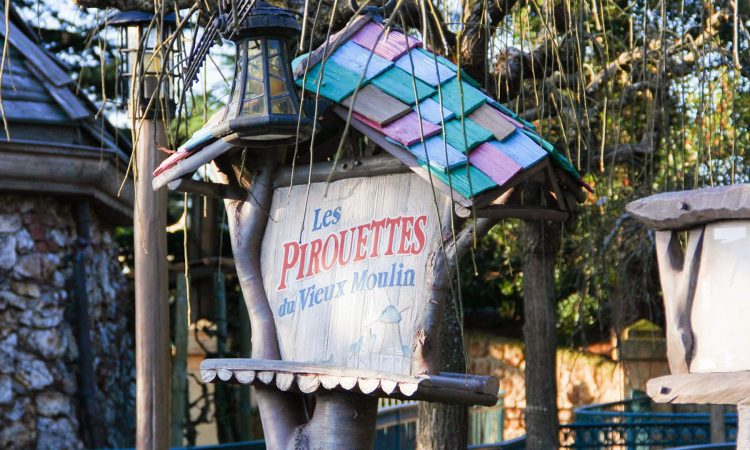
<point x="39" y="400"/>
<point x="582" y="378"/>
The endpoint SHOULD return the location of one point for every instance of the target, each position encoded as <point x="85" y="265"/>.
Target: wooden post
<point x="718" y="424"/>
<point x="246" y="412"/>
<point x="743" y="427"/>
<point x="541" y="240"/>
<point x="221" y="392"/>
<point x="179" y="367"/>
<point x="151" y="307"/>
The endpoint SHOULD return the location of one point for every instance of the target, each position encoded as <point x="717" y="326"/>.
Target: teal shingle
<point x="473" y="98"/>
<point x="467" y="183"/>
<point x="561" y="160"/>
<point x="475" y="134"/>
<point x="399" y="84"/>
<point x="337" y="83"/>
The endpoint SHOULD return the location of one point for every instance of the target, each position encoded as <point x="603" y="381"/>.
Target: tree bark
<point x="541" y="241"/>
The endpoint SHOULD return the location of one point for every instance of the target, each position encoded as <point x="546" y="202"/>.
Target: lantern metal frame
<point x="264" y="81"/>
<point x="137" y="43"/>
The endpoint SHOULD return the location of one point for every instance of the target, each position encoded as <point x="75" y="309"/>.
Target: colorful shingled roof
<point x="422" y="103"/>
<point x="423" y="108"/>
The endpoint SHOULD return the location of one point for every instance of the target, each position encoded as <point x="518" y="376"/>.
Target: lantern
<point x="264" y="108"/>
<point x="141" y="59"/>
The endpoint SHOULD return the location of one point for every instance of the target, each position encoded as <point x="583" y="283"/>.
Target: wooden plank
<point x="403" y="155"/>
<point x="465" y="134"/>
<point x="430" y="111"/>
<point x="189" y="165"/>
<point x="69" y="102"/>
<point x="399" y="84"/>
<point x="406" y="130"/>
<point x="345" y="168"/>
<point x="460" y="97"/>
<point x="438" y="153"/>
<point x="34" y="111"/>
<point x="685" y="209"/>
<point x="390" y="44"/>
<point x="732" y="388"/>
<point x="494" y="163"/>
<point x="336" y="82"/>
<point x="360" y="60"/>
<point x="493" y="120"/>
<point x="377" y="106"/>
<point x="424" y="67"/>
<point x="207" y="189"/>
<point x="521" y="149"/>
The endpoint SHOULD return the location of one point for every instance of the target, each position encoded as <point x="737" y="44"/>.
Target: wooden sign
<point x="345" y="276"/>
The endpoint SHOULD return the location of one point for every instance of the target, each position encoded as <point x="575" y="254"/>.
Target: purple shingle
<point x="490" y="160"/>
<point x="390" y="44"/>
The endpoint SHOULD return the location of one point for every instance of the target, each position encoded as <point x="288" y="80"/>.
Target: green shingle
<point x="475" y="134"/>
<point x="459" y="179"/>
<point x="400" y="84"/>
<point x="473" y="98"/>
<point x="337" y="84"/>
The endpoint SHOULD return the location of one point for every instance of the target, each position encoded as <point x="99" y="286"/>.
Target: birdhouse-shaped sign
<point x="346" y="262"/>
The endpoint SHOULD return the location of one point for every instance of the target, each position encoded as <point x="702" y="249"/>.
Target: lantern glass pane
<point x="282" y="105"/>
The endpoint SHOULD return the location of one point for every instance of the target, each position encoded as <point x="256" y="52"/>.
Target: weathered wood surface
<point x="206" y="189"/>
<point x="334" y="42"/>
<point x="731" y="388"/>
<point x="343" y="277"/>
<point x="190" y="164"/>
<point x="406" y="130"/>
<point x="376" y="105"/>
<point x="424" y="67"/>
<point x="743" y="427"/>
<point x="678" y="272"/>
<point x="685" y="209"/>
<point x="493" y="120"/>
<point x="360" y="60"/>
<point x="344" y="168"/>
<point x="307" y="378"/>
<point x="720" y="313"/>
<point x="390" y="44"/>
<point x="152" y="349"/>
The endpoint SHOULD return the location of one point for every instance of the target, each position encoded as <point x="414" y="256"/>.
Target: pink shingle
<point x="494" y="163"/>
<point x="406" y="130"/>
<point x="389" y="44"/>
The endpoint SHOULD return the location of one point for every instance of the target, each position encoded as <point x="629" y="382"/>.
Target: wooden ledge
<point x="732" y="388"/>
<point x="308" y="378"/>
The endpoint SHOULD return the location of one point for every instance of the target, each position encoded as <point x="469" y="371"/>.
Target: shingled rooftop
<point x="419" y="107"/>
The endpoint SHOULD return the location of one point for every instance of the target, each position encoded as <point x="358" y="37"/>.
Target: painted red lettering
<point x="291" y="254"/>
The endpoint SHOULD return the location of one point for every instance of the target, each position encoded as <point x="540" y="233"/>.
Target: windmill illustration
<point x="382" y="348"/>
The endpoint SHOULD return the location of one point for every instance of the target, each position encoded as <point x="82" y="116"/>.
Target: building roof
<point x="423" y="104"/>
<point x="420" y="108"/>
<point x="52" y="128"/>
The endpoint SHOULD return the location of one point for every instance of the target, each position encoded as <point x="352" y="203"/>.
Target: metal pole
<point x="152" y="356"/>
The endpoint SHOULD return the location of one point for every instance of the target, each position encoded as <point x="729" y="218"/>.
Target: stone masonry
<point x="39" y="392"/>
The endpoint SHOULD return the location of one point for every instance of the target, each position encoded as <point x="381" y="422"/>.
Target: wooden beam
<point x="345" y="168"/>
<point x="190" y="164"/>
<point x="732" y="388"/>
<point x="206" y="189"/>
<point x="687" y="209"/>
<point x="445" y="387"/>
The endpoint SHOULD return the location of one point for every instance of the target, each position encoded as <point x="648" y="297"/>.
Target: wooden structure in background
<point x="705" y="284"/>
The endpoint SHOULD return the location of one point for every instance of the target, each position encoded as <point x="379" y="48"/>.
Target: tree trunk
<point x="441" y="426"/>
<point x="541" y="241"/>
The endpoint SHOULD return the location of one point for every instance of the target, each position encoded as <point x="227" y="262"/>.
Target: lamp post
<point x="141" y="66"/>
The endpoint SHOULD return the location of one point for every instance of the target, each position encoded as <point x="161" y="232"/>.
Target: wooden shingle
<point x="493" y="120"/>
<point x="465" y="136"/>
<point x="400" y="84"/>
<point x="390" y="44"/>
<point x="376" y="105"/>
<point x="430" y="111"/>
<point x="336" y="84"/>
<point x="467" y="180"/>
<point x="454" y="91"/>
<point x="521" y="149"/>
<point x="438" y="153"/>
<point x="490" y="160"/>
<point x="425" y="67"/>
<point x="406" y="130"/>
<point x="356" y="58"/>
